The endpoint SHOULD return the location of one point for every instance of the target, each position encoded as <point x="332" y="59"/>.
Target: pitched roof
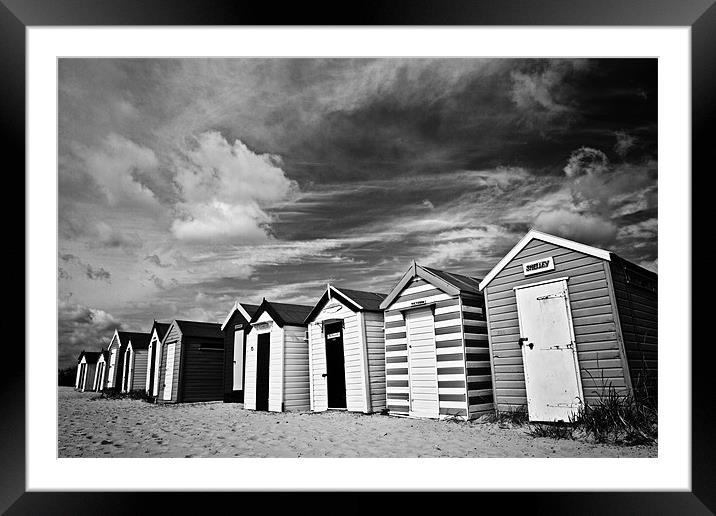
<point x="161" y="329"/>
<point x="533" y="234"/>
<point x="140" y="340"/>
<point x="247" y="311"/>
<point x="91" y="357"/>
<point x="450" y="282"/>
<point x="357" y="300"/>
<point x="284" y="313"/>
<point x="464" y="283"/>
<point x="200" y="329"/>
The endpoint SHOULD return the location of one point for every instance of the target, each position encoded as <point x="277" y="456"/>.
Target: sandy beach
<point x="89" y="426"/>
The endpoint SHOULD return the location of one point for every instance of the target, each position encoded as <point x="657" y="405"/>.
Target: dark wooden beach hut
<point x="191" y="363"/>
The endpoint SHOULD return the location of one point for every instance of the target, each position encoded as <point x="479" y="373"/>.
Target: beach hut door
<point x="238" y="384"/>
<point x="554" y="388"/>
<point x="169" y="372"/>
<point x="263" y="356"/>
<point x="422" y="363"/>
<point x="335" y="366"/>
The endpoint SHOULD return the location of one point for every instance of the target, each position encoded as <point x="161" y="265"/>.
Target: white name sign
<point x="537" y="266"/>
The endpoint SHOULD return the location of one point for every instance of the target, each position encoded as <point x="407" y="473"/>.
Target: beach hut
<point x="86" y="365"/>
<point x="436" y="350"/>
<point x="566" y="320"/>
<point x="117" y="349"/>
<point x="236" y="328"/>
<point x="100" y="374"/>
<point x="277" y="376"/>
<point x="347" y="351"/>
<point x="191" y="363"/>
<point x="157" y="335"/>
<point x="134" y="374"/>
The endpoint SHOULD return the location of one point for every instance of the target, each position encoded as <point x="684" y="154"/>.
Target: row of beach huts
<point x="551" y="326"/>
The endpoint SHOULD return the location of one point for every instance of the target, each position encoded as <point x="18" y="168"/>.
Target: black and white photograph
<point x="357" y="257"/>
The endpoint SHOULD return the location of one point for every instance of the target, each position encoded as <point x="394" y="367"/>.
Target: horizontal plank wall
<point x="593" y="317"/>
<point x="477" y="356"/>
<point x="375" y="349"/>
<point x="139" y="370"/>
<point x="636" y="293"/>
<point x="173" y="335"/>
<point x="275" y="368"/>
<point x="202" y="378"/>
<point x="295" y="368"/>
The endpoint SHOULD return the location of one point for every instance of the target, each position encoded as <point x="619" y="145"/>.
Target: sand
<point x="92" y="427"/>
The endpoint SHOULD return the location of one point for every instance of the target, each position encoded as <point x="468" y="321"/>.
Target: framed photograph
<point x="415" y="249"/>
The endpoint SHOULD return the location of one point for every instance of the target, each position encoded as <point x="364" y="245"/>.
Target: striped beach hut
<point x="347" y="351"/>
<point x="191" y="363"/>
<point x="236" y="329"/>
<point x="134" y="373"/>
<point x="86" y="365"/>
<point x="117" y="349"/>
<point x="100" y="374"/>
<point x="436" y="350"/>
<point x="157" y="333"/>
<point x="565" y="321"/>
<point x="277" y="376"/>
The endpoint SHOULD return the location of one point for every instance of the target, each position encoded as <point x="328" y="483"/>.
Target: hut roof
<point x="247" y="311"/>
<point x="200" y="329"/>
<point x="284" y="313"/>
<point x="358" y="300"/>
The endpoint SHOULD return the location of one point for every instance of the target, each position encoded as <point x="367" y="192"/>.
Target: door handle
<point x="324" y="375"/>
<point x="521" y="341"/>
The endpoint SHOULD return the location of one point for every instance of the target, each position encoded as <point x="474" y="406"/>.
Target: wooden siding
<point x="464" y="384"/>
<point x="276" y="369"/>
<point x="138" y="370"/>
<point x="89" y="377"/>
<point x="173" y="335"/>
<point x="202" y="376"/>
<point x="636" y="296"/>
<point x="375" y="349"/>
<point x="295" y="369"/>
<point x="598" y="349"/>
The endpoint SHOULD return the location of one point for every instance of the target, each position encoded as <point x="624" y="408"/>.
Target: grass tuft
<point x="114" y="394"/>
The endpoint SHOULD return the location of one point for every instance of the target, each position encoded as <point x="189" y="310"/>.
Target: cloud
<point x="226" y="189"/>
<point x="624" y="143"/>
<point x="586" y="161"/>
<point x="582" y="227"/>
<point x="116" y="166"/>
<point x="428" y="204"/>
<point x="82" y="328"/>
<point x="90" y="271"/>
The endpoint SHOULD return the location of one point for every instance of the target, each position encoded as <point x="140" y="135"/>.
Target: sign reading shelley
<point x="537" y="266"/>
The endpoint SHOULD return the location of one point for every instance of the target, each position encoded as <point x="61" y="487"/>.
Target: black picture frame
<point x="700" y="15"/>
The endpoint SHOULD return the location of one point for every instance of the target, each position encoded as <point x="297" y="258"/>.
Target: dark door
<point x="263" y="352"/>
<point x="335" y="366"/>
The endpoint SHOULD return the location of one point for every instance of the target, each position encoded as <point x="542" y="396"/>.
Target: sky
<point x="185" y="184"/>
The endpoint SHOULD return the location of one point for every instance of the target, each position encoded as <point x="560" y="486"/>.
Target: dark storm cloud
<point x="91" y="272"/>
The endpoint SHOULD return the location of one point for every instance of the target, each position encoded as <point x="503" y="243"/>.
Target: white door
<point x="422" y="363"/>
<point x="157" y="363"/>
<point x="238" y="359"/>
<point x="554" y="387"/>
<point x="112" y="368"/>
<point x="169" y="373"/>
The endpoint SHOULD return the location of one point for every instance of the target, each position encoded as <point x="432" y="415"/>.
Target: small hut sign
<point x="537" y="266"/>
